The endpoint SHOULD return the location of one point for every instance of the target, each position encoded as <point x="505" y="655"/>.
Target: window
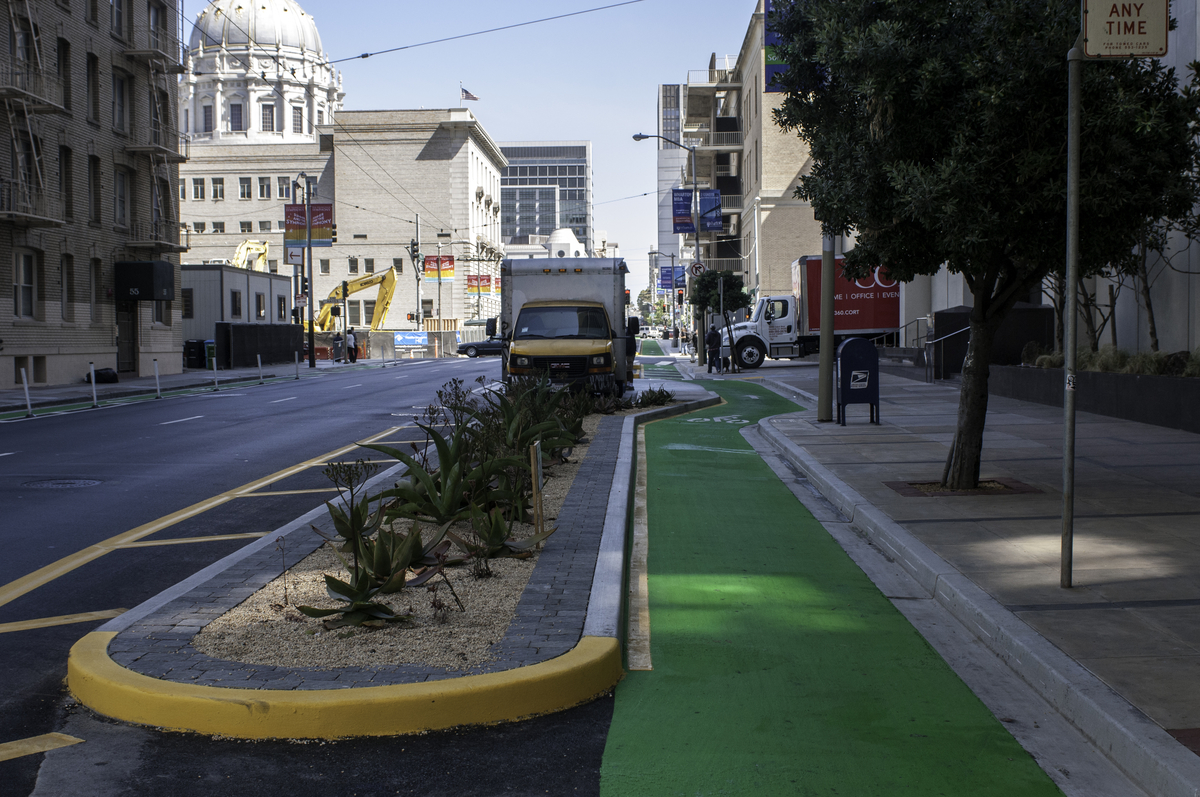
<point x="235" y="117"/>
<point x="260" y="306"/>
<point x="244" y="188"/>
<point x="197" y="188"/>
<point x="280" y="308"/>
<point x="93" y="88"/>
<point x="94" y="189"/>
<point x="427" y="308"/>
<point x="297" y="119"/>
<point x="369" y="265"/>
<point x="264" y="188"/>
<point x="235" y="304"/>
<point x="66" y="183"/>
<point x="118" y="103"/>
<point x="66" y="281"/>
<point x="94" y="289"/>
<point x="186" y="127"/>
<point x="116" y="15"/>
<point x="324" y="266"/>
<point x="285" y="188"/>
<point x="264" y="226"/>
<point x="368" y="312"/>
<point x="162" y="313"/>
<point x="218" y="226"/>
<point x="218" y="186"/>
<point x="24" y="284"/>
<point x="398" y="264"/>
<point x="268" y="118"/>
<point x="354" y="265"/>
<point x="120" y="198"/>
<point x="182" y="190"/>
<point x="320" y="117"/>
<point x="198" y="226"/>
<point x="273" y="266"/>
<point x="247" y="226"/>
<point x="208" y="118"/>
<point x="354" y="313"/>
<point x="185" y="297"/>
<point x="64" y="71"/>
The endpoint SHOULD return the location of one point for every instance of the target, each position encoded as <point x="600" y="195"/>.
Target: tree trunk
<point x="966" y="451"/>
<point x="1087" y="307"/>
<point x="1060" y="296"/>
<point x="1143" y="278"/>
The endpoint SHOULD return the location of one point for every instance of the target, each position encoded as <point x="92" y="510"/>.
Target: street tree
<point x="937" y="132"/>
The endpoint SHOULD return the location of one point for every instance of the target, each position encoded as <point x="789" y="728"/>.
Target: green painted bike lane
<point x="779" y="667"/>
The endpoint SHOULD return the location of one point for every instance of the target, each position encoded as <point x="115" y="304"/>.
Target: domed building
<point x="256" y="74"/>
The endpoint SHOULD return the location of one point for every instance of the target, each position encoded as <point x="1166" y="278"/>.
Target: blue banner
<point x="710" y="210"/>
<point x="681" y="210"/>
<point x="773" y="65"/>
<point x="664" y="277"/>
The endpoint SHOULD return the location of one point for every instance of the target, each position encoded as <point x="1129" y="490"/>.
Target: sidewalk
<point x="1132" y="619"/>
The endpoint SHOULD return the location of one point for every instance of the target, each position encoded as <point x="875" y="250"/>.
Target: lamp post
<point x="312" y="336"/>
<point x="671" y="293"/>
<point x="695" y="214"/>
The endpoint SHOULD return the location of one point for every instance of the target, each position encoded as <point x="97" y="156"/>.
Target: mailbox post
<point x="857" y="377"/>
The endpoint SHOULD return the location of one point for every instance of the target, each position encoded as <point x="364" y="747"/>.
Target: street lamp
<point x="695" y="214"/>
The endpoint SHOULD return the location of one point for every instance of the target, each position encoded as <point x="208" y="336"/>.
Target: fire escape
<point x="154" y="45"/>
<point x="28" y="92"/>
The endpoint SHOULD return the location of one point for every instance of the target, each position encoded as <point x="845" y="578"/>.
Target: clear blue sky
<point x="589" y="77"/>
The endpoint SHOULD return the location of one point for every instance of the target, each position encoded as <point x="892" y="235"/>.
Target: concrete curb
<point x="1150" y="756"/>
<point x="589" y="669"/>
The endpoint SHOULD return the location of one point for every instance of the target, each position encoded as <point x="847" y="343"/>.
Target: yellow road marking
<point x="290" y="492"/>
<point x="638" y="633"/>
<point x="182" y="540"/>
<point x="35" y="744"/>
<point x="62" y="619"/>
<point x="42" y="576"/>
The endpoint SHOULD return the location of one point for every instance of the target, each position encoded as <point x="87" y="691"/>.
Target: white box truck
<point x="788" y="327"/>
<point x="564" y="318"/>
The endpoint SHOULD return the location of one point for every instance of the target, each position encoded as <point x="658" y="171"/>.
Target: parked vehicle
<point x="564" y="318"/>
<point x="789" y="327"/>
<point x="482" y="348"/>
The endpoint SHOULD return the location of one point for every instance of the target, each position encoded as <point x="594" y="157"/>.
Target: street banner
<point x="405" y="339"/>
<point x="295" y="233"/>
<point x="773" y="64"/>
<point x="710" y="210"/>
<point x="681" y="210"/>
<point x="665" y="279"/>
<point x="485" y="284"/>
<point x="476" y="285"/>
<point x="439" y="269"/>
<point x="495" y="287"/>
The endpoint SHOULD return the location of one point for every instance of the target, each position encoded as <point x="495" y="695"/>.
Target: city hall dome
<point x="266" y="23"/>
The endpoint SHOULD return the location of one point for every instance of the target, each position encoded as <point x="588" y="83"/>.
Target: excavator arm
<point x="386" y="280"/>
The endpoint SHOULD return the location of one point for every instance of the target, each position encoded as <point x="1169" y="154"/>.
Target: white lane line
<point x="347" y="387"/>
<point x="402" y="376"/>
<point x="290" y="398"/>
<point x="181" y="420"/>
<point x="8" y="454"/>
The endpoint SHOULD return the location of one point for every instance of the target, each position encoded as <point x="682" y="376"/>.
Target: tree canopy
<point x="705" y="293"/>
<point x="938" y="136"/>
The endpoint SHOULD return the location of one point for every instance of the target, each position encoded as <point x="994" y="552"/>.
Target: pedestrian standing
<point x="352" y="345"/>
<point x="712" y="342"/>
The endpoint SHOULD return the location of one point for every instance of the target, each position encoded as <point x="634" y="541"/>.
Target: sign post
<point x="1108" y="30"/>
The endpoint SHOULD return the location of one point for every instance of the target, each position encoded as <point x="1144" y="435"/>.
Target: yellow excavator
<point x="252" y="253"/>
<point x="386" y="280"/>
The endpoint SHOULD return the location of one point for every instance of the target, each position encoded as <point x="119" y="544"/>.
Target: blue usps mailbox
<point x="857" y="377"/>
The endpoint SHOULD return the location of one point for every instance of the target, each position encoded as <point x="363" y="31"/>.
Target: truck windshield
<point x="758" y="311"/>
<point x="561" y="322"/>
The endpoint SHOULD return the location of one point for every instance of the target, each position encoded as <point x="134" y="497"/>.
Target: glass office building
<point x="547" y="185"/>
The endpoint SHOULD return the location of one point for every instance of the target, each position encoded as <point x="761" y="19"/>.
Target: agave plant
<point x="492" y="540"/>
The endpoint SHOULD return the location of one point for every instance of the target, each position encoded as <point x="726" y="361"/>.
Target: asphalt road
<point x="130" y="467"/>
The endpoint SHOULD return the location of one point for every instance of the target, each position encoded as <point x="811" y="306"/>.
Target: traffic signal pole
<point x="312" y="322"/>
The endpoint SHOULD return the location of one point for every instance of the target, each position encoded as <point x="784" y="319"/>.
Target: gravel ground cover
<point x="267" y="628"/>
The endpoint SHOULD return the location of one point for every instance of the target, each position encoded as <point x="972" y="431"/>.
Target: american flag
<point x="466" y="95"/>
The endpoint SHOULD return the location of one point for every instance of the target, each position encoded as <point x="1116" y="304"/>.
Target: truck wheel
<point x="750" y="353"/>
<point x="472" y="351"/>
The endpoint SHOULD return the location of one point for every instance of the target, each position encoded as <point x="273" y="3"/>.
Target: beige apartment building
<point x="89" y="193"/>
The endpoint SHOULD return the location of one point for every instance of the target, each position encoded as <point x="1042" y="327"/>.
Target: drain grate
<point x="60" y="484"/>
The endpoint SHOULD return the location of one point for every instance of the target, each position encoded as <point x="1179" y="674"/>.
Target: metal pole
<point x="259" y="358"/>
<point x="216" y="384"/>
<point x="92" y="368"/>
<point x="696" y="225"/>
<point x="29" y="404"/>
<point x="825" y="370"/>
<point x="1075" y="85"/>
<point x="297" y="355"/>
<point x="312" y="287"/>
<point x="157" y="386"/>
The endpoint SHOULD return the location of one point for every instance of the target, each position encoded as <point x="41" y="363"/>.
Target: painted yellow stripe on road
<point x="251" y="535"/>
<point x="62" y="619"/>
<point x="36" y="744"/>
<point x="42" y="576"/>
<point x="261" y="493"/>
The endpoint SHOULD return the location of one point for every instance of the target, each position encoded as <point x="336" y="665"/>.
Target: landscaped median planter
<point x="561" y="648"/>
<point x="1171" y="401"/>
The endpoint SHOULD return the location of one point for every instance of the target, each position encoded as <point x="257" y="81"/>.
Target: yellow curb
<point x="590" y="669"/>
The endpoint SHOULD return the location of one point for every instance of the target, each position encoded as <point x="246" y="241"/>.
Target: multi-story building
<point x="90" y="189"/>
<point x="547" y="185"/>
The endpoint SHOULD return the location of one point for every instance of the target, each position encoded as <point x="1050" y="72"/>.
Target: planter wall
<point x="1171" y="401"/>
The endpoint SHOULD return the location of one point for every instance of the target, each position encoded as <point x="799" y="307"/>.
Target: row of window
<point x="187" y="298"/>
<point x="29" y="287"/>
<point x="26" y="157"/>
<point x="544" y="171"/>
<point x="236" y="121"/>
<point x="243" y="226"/>
<point x="368" y="265"/>
<point x="561" y="182"/>
<point x="282" y="185"/>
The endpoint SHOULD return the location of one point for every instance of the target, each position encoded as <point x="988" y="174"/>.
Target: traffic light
<point x="679" y="297"/>
<point x="627" y="296"/>
<point x="304" y="285"/>
<point x="345" y="290"/>
<point x="333" y="232"/>
<point x="412" y="316"/>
